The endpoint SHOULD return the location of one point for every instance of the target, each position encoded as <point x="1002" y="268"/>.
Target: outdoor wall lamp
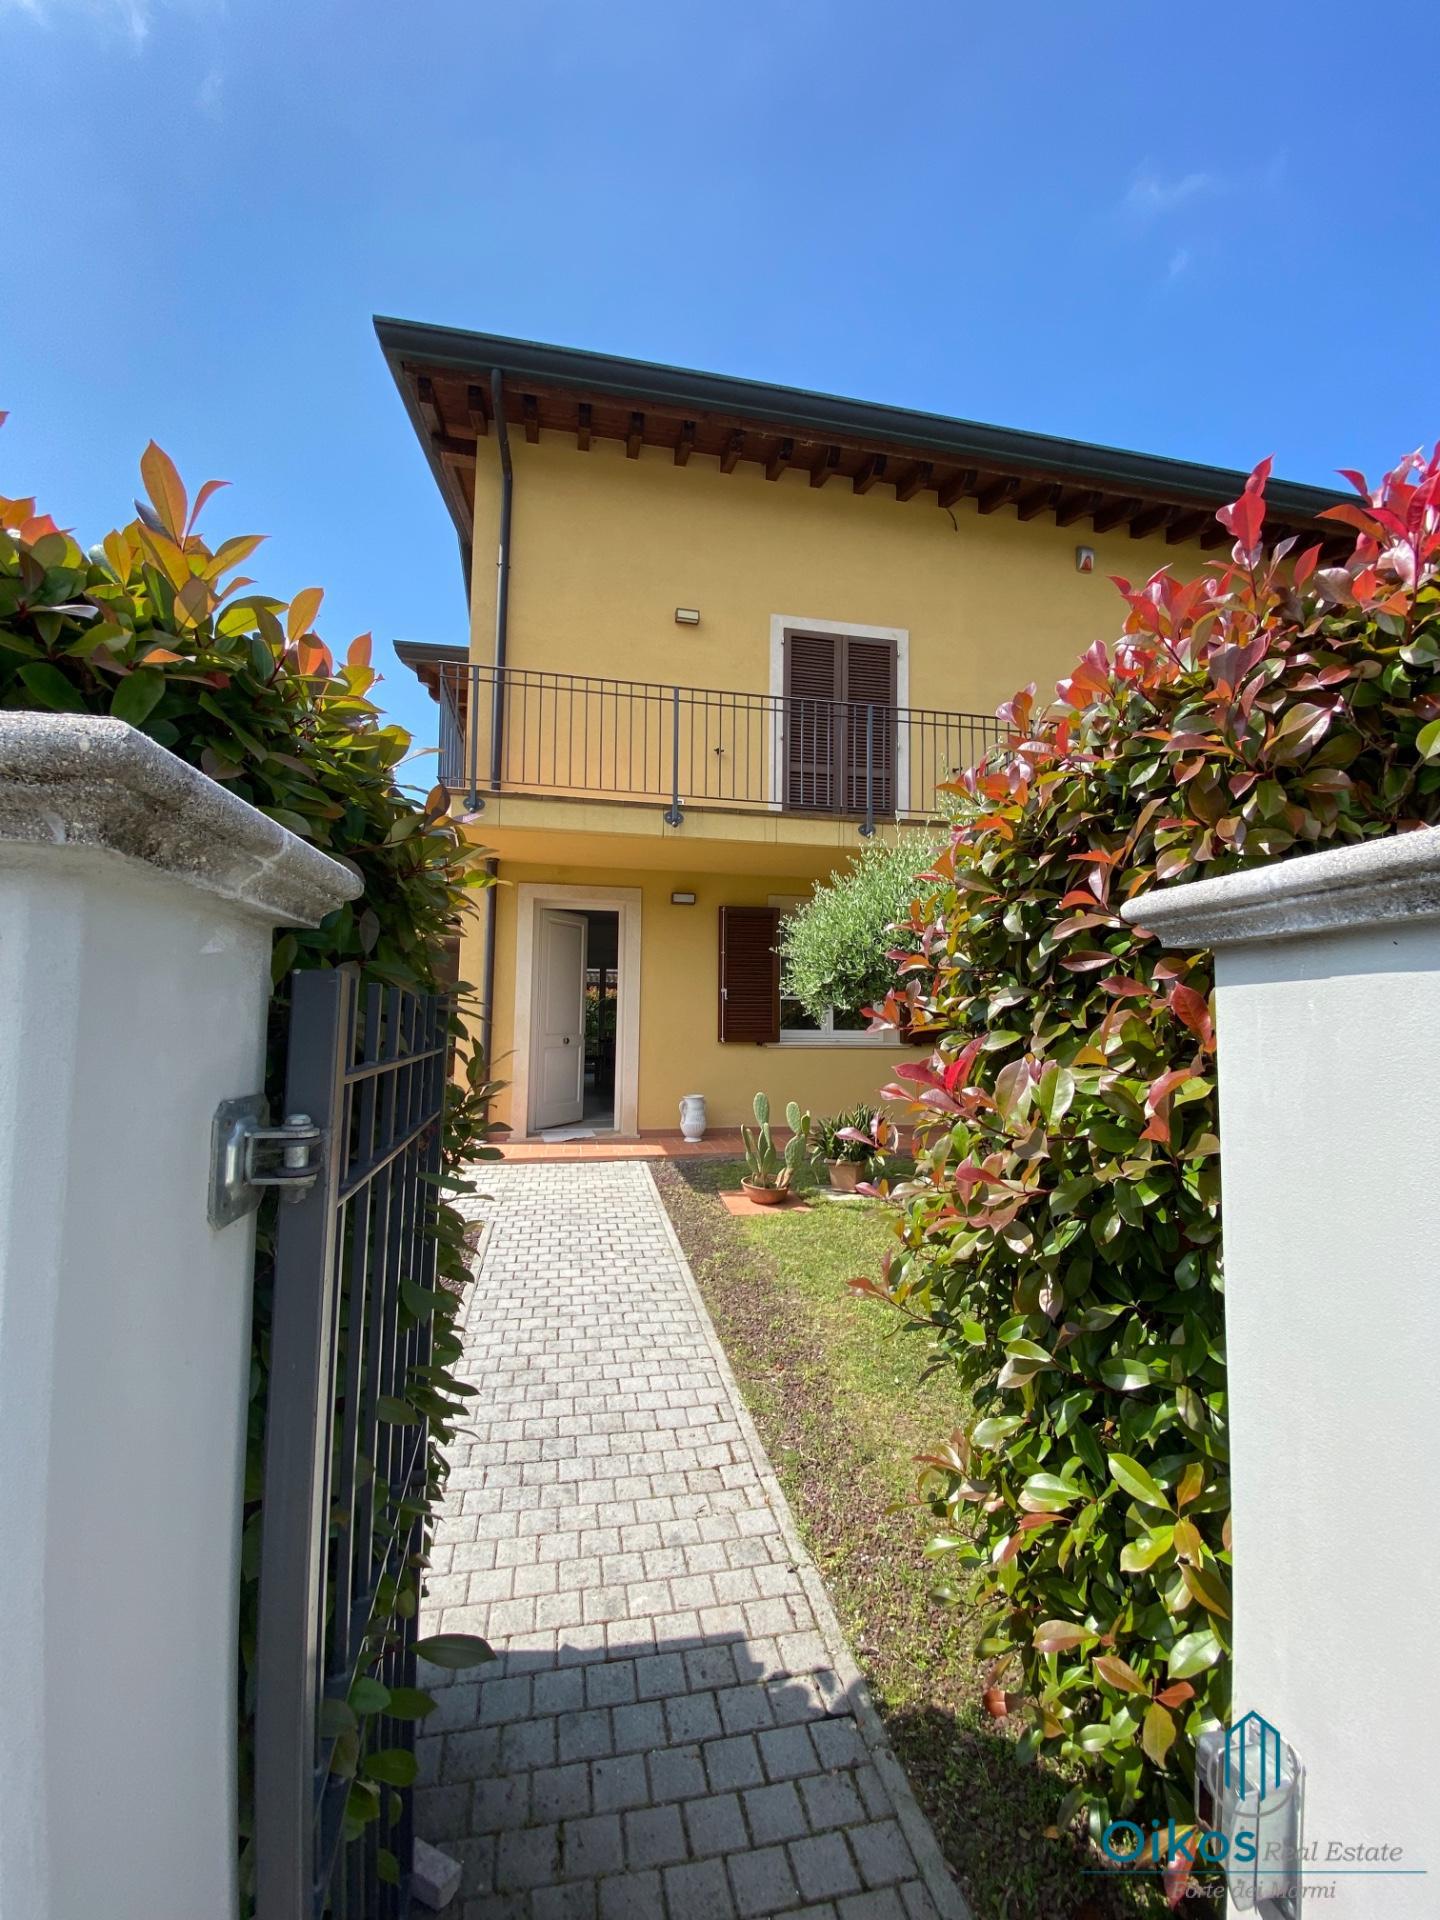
<point x="687" y="616"/>
<point x="1250" y="1800"/>
<point x="682" y="899"/>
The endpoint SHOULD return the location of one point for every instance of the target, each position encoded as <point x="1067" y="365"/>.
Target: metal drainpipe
<point x="497" y="706"/>
<point x="502" y="581"/>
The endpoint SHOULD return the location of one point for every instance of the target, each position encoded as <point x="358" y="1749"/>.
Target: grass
<point x="838" y="1391"/>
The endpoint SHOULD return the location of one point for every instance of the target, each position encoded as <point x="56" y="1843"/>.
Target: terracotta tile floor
<point x="721" y="1143"/>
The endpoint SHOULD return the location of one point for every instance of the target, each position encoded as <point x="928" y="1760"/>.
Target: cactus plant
<point x="767" y="1168"/>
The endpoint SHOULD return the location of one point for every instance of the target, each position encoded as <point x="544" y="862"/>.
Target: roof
<point x="445" y="379"/>
<point x="426" y="658"/>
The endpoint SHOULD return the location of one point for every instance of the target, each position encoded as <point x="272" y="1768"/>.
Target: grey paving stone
<point x="823" y="1867"/>
<point x="831" y="1800"/>
<point x="676" y="1773"/>
<point x="527" y="1857"/>
<point x="632" y="1896"/>
<point x="715" y="1825"/>
<point x="619" y="1783"/>
<point x="573" y="1902"/>
<point x="882" y="1852"/>
<point x="764" y="1882"/>
<point x="562" y="1793"/>
<point x="699" y="1891"/>
<point x="733" y="1763"/>
<point x="787" y="1752"/>
<point x="883" y="1904"/>
<point x="775" y="1813"/>
<point x="654" y="1837"/>
<point x="593" y="1847"/>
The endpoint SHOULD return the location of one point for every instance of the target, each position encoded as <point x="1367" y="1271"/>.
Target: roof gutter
<point x="817" y="414"/>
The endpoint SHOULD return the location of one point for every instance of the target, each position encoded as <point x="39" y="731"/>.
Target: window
<point x="840" y="741"/>
<point x="752" y="1008"/>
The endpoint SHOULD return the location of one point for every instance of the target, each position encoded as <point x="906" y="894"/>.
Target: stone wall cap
<point x="1371" y="883"/>
<point x="85" y="780"/>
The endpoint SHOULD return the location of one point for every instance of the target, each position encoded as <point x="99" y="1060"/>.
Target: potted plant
<point x="770" y="1174"/>
<point x="845" y="1144"/>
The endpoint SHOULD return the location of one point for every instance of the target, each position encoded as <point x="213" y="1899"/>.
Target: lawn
<point x="839" y="1394"/>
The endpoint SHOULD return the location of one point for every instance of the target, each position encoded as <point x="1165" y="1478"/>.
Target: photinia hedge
<point x="1062" y="1235"/>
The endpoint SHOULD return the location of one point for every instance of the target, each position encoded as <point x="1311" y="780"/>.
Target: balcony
<point x="676" y="747"/>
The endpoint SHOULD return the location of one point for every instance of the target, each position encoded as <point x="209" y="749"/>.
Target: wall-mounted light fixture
<point x="682" y="899"/>
<point x="687" y="616"/>
<point x="1085" y="559"/>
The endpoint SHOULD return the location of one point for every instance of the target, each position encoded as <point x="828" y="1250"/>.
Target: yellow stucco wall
<point x="605" y="548"/>
<point x="679" y="985"/>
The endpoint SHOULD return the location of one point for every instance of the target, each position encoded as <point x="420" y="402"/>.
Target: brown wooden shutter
<point x="749" y="974"/>
<point x="868" y="690"/>
<point x="812" y="687"/>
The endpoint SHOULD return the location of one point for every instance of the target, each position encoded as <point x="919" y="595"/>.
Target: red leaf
<point x="1193" y="1010"/>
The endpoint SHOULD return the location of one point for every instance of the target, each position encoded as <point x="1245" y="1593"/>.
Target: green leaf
<point x="1060" y="1636"/>
<point x="1125" y="1376"/>
<point x="394" y="1766"/>
<point x="1136" y="1481"/>
<point x="137" y="695"/>
<point x="1193" y="1654"/>
<point x="1048" y="1493"/>
<point x="454" y="1650"/>
<point x="1427" y="741"/>
<point x="368" y="1695"/>
<point x="49" y="688"/>
<point x="1157" y="1734"/>
<point x="1145" y="1549"/>
<point x="396" y="1413"/>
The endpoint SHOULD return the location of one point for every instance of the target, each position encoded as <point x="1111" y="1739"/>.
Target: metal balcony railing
<point x="516" y="730"/>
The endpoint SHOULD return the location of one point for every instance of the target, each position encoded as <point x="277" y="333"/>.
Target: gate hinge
<point x="247" y="1155"/>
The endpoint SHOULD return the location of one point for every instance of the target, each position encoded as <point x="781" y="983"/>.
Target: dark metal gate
<point x="345" y="1460"/>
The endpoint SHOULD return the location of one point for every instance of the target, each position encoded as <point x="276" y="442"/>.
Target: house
<point x="720" y="632"/>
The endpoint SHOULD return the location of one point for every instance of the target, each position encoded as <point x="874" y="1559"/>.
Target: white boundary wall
<point x="1328" y="1014"/>
<point x="137" y="900"/>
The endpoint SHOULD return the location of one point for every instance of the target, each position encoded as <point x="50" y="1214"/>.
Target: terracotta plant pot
<point x="763" y="1196"/>
<point x="845" y="1174"/>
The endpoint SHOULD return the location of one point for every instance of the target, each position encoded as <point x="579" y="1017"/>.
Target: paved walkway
<point x="674" y="1727"/>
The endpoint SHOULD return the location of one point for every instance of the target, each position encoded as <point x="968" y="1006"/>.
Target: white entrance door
<point x="558" y="1066"/>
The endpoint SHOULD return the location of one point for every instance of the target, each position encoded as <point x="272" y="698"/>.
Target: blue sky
<point x="1202" y="234"/>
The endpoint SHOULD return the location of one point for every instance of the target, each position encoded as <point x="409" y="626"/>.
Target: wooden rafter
<point x="530" y="408"/>
<point x="1036" y="500"/>
<point x="734" y="447"/>
<point x="685" y="445"/>
<point x="1074" y="506"/>
<point x="870" y="471"/>
<point x="913" y="480"/>
<point x="1149" y="520"/>
<point x="582" y="427"/>
<point x="780" y="460"/>
<point x="635" y="436"/>
<point x="475" y="407"/>
<point x="997" y="493"/>
<point x="429" y="407"/>
<point x="1110" y="516"/>
<point x="454" y="450"/>
<point x="828" y="463"/>
<point x="956" y="487"/>
<point x="1184" y="526"/>
<point x="1216" y="536"/>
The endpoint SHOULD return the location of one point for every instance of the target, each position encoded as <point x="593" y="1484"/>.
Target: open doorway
<point x="577" y="1001"/>
<point x="602" y="1009"/>
<point x="578" y="968"/>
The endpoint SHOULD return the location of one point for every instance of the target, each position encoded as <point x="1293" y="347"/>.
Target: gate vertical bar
<point x="297" y="1460"/>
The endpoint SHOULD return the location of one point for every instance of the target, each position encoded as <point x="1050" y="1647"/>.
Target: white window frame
<point x="782" y="625"/>
<point x="825" y="1035"/>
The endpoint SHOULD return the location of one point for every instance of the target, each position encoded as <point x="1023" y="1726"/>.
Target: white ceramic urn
<point x="692" y="1116"/>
